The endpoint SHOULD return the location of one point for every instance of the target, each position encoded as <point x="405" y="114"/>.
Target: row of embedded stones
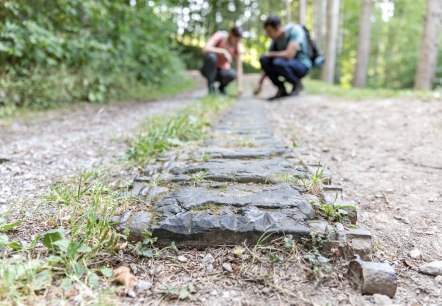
<point x="239" y="195"/>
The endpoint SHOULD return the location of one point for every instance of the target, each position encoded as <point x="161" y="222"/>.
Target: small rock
<point x="438" y="279"/>
<point x="142" y="286"/>
<point x="214" y="292"/>
<point x="373" y="277"/>
<point x="380" y="299"/>
<point x="131" y="294"/>
<point x="432" y="268"/>
<point x="228" y="267"/>
<point x="415" y="254"/>
<point x="265" y="290"/>
<point x="208" y="259"/>
<point x="182" y="258"/>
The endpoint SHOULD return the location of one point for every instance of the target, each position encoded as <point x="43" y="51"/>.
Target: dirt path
<point x="387" y="155"/>
<point x="59" y="143"/>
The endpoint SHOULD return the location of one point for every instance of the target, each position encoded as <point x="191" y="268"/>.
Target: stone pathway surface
<point x="236" y="188"/>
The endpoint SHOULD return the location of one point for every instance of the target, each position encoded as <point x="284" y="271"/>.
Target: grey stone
<point x="228" y="267"/>
<point x="240" y="153"/>
<point x="142" y="286"/>
<point x="415" y="254"/>
<point x="438" y="279"/>
<point x="242" y="171"/>
<point x="136" y="222"/>
<point x="380" y="299"/>
<point x="432" y="268"/>
<point x="360" y="242"/>
<point x="373" y="277"/>
<point x="131" y="294"/>
<point x="182" y="258"/>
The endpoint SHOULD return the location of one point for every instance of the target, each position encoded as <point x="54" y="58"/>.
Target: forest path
<point x="59" y="143"/>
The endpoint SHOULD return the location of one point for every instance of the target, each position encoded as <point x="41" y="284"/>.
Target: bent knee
<point x="211" y="57"/>
<point x="279" y="62"/>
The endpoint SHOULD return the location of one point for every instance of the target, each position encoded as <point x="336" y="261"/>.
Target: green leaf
<point x="43" y="279"/>
<point x="106" y="272"/>
<point x="52" y="236"/>
<point x="54" y="259"/>
<point x="66" y="284"/>
<point x="62" y="245"/>
<point x="93" y="280"/>
<point x="7" y="227"/>
<point x="78" y="269"/>
<point x="15" y="245"/>
<point x="183" y="294"/>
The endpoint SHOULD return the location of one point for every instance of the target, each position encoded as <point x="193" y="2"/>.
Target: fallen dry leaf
<point x="122" y="246"/>
<point x="123" y="276"/>
<point x="71" y="293"/>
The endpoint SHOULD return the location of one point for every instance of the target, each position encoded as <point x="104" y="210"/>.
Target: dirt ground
<point x="386" y="154"/>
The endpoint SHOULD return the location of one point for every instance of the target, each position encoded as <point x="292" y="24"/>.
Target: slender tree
<point x="328" y="72"/>
<point x="288" y="10"/>
<point x="318" y="22"/>
<point x="302" y="11"/>
<point x="429" y="47"/>
<point x="363" y="55"/>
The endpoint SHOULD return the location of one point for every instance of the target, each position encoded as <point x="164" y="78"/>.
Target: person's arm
<point x="239" y="73"/>
<point x="258" y="88"/>
<point x="210" y="47"/>
<point x="288" y="53"/>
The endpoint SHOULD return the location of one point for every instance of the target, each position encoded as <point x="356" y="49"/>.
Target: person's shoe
<point x="211" y="88"/>
<point x="222" y="90"/>
<point x="297" y="88"/>
<point x="279" y="94"/>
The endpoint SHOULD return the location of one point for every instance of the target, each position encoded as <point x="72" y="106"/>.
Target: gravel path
<point x="387" y="155"/>
<point x="59" y="143"/>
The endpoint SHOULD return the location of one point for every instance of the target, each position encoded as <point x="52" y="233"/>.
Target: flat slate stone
<point x="242" y="171"/>
<point x="200" y="217"/>
<point x="240" y="153"/>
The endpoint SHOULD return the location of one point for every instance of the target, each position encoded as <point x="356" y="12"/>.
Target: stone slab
<point x="240" y="153"/>
<point x="242" y="171"/>
<point x="201" y="217"/>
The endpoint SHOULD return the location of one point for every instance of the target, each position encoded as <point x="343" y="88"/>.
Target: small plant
<point x="293" y="139"/>
<point x="314" y="183"/>
<point x="180" y="294"/>
<point x="319" y="264"/>
<point x="285" y="178"/>
<point x="198" y="177"/>
<point x="205" y="157"/>
<point x="333" y="212"/>
<point x="147" y="247"/>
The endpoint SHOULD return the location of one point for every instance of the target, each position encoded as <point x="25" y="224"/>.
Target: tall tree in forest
<point x="288" y="10"/>
<point x="363" y="55"/>
<point x="328" y="72"/>
<point x="430" y="43"/>
<point x="302" y="11"/>
<point x="318" y="21"/>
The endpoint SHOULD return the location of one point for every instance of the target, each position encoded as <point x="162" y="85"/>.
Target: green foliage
<point x="63" y="51"/>
<point x="163" y="132"/>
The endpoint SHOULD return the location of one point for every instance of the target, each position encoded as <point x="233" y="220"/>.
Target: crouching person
<point x="219" y="52"/>
<point x="287" y="58"/>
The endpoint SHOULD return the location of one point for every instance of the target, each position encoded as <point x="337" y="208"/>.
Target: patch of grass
<point x="334" y="212"/>
<point x="163" y="132"/>
<point x="213" y="208"/>
<point x="322" y="88"/>
<point x="198" y="177"/>
<point x="314" y="183"/>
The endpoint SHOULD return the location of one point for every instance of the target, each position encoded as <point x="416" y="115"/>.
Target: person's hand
<point x="227" y="56"/>
<point x="257" y="89"/>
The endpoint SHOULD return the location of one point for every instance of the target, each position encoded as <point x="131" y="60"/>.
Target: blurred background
<point x="62" y="51"/>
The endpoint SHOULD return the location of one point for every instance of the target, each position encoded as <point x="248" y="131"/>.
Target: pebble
<point x="228" y="267"/>
<point x="182" y="258"/>
<point x="415" y="254"/>
<point x="438" y="279"/>
<point x="208" y="259"/>
<point x="432" y="268"/>
<point x="132" y="294"/>
<point x="380" y="299"/>
<point x="214" y="292"/>
<point x="142" y="286"/>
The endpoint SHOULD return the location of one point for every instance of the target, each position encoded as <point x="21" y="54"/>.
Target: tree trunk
<point x="363" y="55"/>
<point x="430" y="43"/>
<point x="302" y="11"/>
<point x="288" y="10"/>
<point x="318" y="22"/>
<point x="328" y="71"/>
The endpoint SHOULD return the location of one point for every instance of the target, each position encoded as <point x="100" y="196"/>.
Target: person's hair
<point x="272" y="21"/>
<point x="236" y="31"/>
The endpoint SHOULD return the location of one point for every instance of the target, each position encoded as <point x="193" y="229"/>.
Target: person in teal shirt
<point x="287" y="57"/>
